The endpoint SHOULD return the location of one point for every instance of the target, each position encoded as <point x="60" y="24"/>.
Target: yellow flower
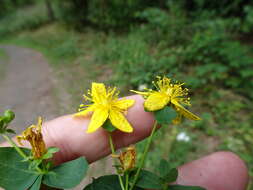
<point x="167" y="93"/>
<point x="34" y="136"/>
<point x="105" y="105"/>
<point x="127" y="159"/>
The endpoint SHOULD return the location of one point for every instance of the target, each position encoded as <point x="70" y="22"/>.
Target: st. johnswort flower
<point x="34" y="136"/>
<point x="168" y="94"/>
<point x="105" y="105"/>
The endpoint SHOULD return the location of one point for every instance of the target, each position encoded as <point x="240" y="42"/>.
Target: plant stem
<point x="144" y="155"/>
<point x="173" y="131"/>
<point x="20" y="152"/>
<point x="113" y="152"/>
<point x="165" y="187"/>
<point x="127" y="180"/>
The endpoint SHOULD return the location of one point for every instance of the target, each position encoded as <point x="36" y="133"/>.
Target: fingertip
<point x="141" y="120"/>
<point x="218" y="171"/>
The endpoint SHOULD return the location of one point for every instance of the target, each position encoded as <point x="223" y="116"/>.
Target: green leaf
<point x="109" y="182"/>
<point x="171" y="176"/>
<point x="165" y="115"/>
<point x="182" y="187"/>
<point x="53" y="150"/>
<point x="163" y="167"/>
<point x="50" y="152"/>
<point x="67" y="175"/>
<point x="37" y="183"/>
<point x="148" y="180"/>
<point x="108" y="126"/>
<point x="13" y="172"/>
<point x="1" y="122"/>
<point x="10" y="131"/>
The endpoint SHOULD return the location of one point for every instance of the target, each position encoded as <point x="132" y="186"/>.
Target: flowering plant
<point x="34" y="169"/>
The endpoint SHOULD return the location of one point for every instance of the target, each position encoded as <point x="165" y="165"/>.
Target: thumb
<point x="218" y="171"/>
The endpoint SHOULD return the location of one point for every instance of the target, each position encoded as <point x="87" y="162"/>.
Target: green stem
<point x="144" y="155"/>
<point x="113" y="152"/>
<point x="9" y="140"/>
<point x="173" y="131"/>
<point x="127" y="180"/>
<point x="165" y="187"/>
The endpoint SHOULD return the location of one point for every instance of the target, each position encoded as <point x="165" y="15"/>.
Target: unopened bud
<point x="9" y="116"/>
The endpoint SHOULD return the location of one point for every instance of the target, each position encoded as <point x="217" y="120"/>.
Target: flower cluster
<point x="105" y="105"/>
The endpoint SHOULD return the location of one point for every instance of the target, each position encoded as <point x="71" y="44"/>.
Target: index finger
<point x="69" y="134"/>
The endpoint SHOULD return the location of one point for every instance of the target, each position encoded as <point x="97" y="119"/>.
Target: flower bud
<point x="8" y="116"/>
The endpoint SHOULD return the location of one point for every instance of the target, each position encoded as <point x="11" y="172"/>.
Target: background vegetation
<point x="207" y="44"/>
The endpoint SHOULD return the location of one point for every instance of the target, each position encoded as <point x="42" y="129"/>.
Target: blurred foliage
<point x="248" y="21"/>
<point x="7" y="6"/>
<point x="27" y="18"/>
<point x="203" y="52"/>
<point x="103" y="14"/>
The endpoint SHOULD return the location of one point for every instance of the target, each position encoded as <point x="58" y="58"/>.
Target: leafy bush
<point x="219" y="59"/>
<point x="248" y="21"/>
<point x="165" y="26"/>
<point x="115" y="13"/>
<point x="7" y="6"/>
<point x="130" y="58"/>
<point x="208" y="55"/>
<point x="23" y="19"/>
<point x="224" y="8"/>
<point x="72" y="12"/>
<point x="103" y="14"/>
<point x="134" y="62"/>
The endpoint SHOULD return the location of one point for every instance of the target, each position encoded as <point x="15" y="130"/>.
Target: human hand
<point x="218" y="171"/>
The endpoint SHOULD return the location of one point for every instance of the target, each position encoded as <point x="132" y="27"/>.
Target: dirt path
<point x="30" y="89"/>
<point x="27" y="87"/>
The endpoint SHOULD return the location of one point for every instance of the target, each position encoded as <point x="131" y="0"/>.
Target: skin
<point x="218" y="171"/>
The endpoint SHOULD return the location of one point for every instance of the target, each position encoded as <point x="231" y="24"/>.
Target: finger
<point x="69" y="134"/>
<point x="218" y="171"/>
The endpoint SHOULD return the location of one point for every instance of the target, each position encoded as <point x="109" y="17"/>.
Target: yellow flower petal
<point x="84" y="112"/>
<point x="124" y="104"/>
<point x="98" y="92"/>
<point x="141" y="93"/>
<point x="119" y="121"/>
<point x="39" y="124"/>
<point x="156" y="101"/>
<point x="184" y="111"/>
<point x="97" y="120"/>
